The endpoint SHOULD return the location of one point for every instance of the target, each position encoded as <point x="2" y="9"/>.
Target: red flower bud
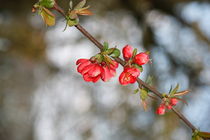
<point x="173" y="101"/>
<point x="161" y="109"/>
<point x="127" y="52"/>
<point x="141" y="58"/>
<point x="129" y="76"/>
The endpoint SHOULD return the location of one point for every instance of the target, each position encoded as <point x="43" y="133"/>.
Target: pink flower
<point x="127" y="52"/>
<point x="161" y="109"/>
<point x="129" y="76"/>
<point x="141" y="58"/>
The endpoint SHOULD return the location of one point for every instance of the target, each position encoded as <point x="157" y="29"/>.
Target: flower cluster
<point x="133" y="65"/>
<point x="92" y="70"/>
<point x="166" y="105"/>
<point x="101" y="66"/>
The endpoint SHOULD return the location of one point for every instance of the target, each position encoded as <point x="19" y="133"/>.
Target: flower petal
<point x="95" y="79"/>
<point x="81" y="61"/>
<point x="95" y="71"/>
<point x="87" y="68"/>
<point x="87" y="78"/>
<point x="82" y="66"/>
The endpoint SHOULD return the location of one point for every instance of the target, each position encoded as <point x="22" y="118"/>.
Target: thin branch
<point x="140" y="82"/>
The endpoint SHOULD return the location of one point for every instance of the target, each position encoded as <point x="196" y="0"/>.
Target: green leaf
<point x="144" y="94"/>
<point x="99" y="58"/>
<point x="136" y="90"/>
<point x="170" y="89"/>
<point x="115" y="53"/>
<point x="134" y="52"/>
<point x="106" y="46"/>
<point x="138" y="67"/>
<point x="195" y="135"/>
<point x="196" y="138"/>
<point x="204" y="134"/>
<point x="174" y="90"/>
<point x="47" y="16"/>
<point x="80" y="5"/>
<point x="72" y="22"/>
<point x="47" y="3"/>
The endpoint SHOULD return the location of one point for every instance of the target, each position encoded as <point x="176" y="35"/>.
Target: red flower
<point x="109" y="71"/>
<point x="173" y="101"/>
<point x="161" y="109"/>
<point x="169" y="106"/>
<point x="141" y="58"/>
<point x="91" y="71"/>
<point x="129" y="76"/>
<point x="127" y="52"/>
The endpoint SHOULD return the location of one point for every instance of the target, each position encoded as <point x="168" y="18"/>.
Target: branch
<point x="140" y="82"/>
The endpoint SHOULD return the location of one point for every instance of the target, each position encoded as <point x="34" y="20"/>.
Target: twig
<point x="140" y="82"/>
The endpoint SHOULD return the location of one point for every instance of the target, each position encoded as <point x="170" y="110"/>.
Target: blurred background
<point x="42" y="97"/>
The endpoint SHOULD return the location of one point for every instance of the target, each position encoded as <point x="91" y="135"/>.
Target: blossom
<point x="109" y="71"/>
<point x="93" y="71"/>
<point x="129" y="76"/>
<point x="127" y="52"/>
<point x="173" y="101"/>
<point x="141" y="58"/>
<point x="161" y="109"/>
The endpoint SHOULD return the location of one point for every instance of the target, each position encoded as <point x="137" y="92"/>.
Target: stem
<point x="119" y="60"/>
<point x="182" y="117"/>
<point x="140" y="82"/>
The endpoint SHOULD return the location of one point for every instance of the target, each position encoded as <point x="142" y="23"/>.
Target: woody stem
<point x="140" y="82"/>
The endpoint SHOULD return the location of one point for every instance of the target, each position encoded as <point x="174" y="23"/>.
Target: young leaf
<point x="138" y="67"/>
<point x="48" y="17"/>
<point x="181" y="93"/>
<point x="84" y="12"/>
<point x="71" y="4"/>
<point x="115" y="53"/>
<point x="72" y="22"/>
<point x="136" y="90"/>
<point x="144" y="94"/>
<point x="134" y="52"/>
<point x="170" y="89"/>
<point x="196" y="138"/>
<point x="174" y="90"/>
<point x="80" y="5"/>
<point x="47" y="3"/>
<point x="204" y="134"/>
<point x="106" y="46"/>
